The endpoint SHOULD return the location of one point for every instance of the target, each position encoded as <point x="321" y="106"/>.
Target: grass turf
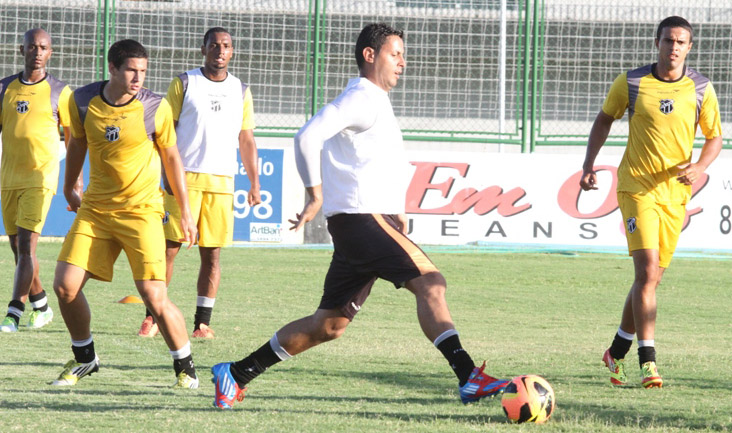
<point x="545" y="314"/>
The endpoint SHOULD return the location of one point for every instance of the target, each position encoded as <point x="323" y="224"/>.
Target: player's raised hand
<point x="588" y="180"/>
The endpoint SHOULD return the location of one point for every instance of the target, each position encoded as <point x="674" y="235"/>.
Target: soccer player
<point x="213" y="116"/>
<point x="127" y="130"/>
<point x="33" y="104"/>
<point x="362" y="192"/>
<point x="666" y="101"/>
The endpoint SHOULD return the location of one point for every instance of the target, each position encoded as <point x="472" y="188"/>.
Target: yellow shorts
<point x="96" y="238"/>
<point x="650" y="225"/>
<point x="26" y="208"/>
<point x="212" y="212"/>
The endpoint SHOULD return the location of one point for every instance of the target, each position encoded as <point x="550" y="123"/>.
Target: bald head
<point x="36" y="34"/>
<point x="36" y="50"/>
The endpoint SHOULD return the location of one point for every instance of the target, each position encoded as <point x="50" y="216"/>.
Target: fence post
<point x="534" y="73"/>
<point x="316" y="231"/>
<point x="525" y="128"/>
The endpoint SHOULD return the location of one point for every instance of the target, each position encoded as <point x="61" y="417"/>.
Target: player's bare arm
<point x="598" y="135"/>
<point x="79" y="187"/>
<point x="75" y="155"/>
<point x="690" y="173"/>
<point x="249" y="157"/>
<point x="315" y="201"/>
<point x="176" y="179"/>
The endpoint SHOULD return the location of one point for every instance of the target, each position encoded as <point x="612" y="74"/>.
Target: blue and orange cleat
<point x="480" y="385"/>
<point x="227" y="390"/>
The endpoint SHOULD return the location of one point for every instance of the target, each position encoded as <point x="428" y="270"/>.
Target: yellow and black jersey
<point x="30" y="115"/>
<point x="124" y="163"/>
<point x="663" y="117"/>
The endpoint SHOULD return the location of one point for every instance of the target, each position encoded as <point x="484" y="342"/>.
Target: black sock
<point x="20" y="306"/>
<point x="185" y="364"/>
<point x="203" y="315"/>
<point x="84" y="354"/>
<point x="38" y="297"/>
<point x="149" y="314"/>
<point x="645" y="354"/>
<point x="254" y="364"/>
<point x="620" y="347"/>
<point x="462" y="364"/>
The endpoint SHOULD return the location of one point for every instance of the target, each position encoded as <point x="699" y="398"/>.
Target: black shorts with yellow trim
<point x="367" y="247"/>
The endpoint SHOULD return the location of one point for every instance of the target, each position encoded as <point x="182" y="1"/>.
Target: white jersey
<point x="209" y="123"/>
<point x="363" y="163"/>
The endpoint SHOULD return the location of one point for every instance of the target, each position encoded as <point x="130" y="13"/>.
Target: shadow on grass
<point x="631" y="417"/>
<point x="102" y="366"/>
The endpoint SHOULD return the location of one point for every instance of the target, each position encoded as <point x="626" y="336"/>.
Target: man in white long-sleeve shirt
<point x="356" y="143"/>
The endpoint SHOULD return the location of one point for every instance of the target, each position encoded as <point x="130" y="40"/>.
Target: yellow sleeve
<point x="248" y="120"/>
<point x="164" y="128"/>
<point x="63" y="106"/>
<point x="77" y="128"/>
<point x="709" y="119"/>
<point x="616" y="101"/>
<point x="175" y="97"/>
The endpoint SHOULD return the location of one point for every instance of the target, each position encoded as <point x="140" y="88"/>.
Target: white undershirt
<point x="364" y="167"/>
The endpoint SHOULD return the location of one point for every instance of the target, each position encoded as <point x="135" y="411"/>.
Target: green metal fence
<point x="517" y="73"/>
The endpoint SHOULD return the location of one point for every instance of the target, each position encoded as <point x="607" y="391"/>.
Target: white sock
<point x="15" y="312"/>
<point x="646" y="343"/>
<point x="444" y="336"/>
<point x="39" y="303"/>
<point x="625" y="335"/>
<point x="203" y="301"/>
<point x="82" y="343"/>
<point x="182" y="352"/>
<point x="280" y="351"/>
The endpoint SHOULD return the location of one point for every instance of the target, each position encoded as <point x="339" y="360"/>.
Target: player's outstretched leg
<point x="436" y="322"/>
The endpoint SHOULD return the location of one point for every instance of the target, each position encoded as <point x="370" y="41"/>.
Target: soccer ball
<point x="528" y="398"/>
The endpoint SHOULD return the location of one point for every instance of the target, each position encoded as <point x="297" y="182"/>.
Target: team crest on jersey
<point x="216" y="106"/>
<point x="22" y="106"/>
<point x="112" y="133"/>
<point x="631" y="224"/>
<point x="166" y="218"/>
<point x="667" y="106"/>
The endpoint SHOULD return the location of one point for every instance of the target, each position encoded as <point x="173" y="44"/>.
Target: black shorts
<point x="367" y="247"/>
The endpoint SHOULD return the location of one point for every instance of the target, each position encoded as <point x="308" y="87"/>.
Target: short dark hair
<point x="213" y="30"/>
<point x="374" y="36"/>
<point x="125" y="49"/>
<point x="674" y="21"/>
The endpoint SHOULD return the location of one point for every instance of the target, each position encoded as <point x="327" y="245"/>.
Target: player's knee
<point x="331" y="333"/>
<point x="332" y="329"/>
<point x="430" y="286"/>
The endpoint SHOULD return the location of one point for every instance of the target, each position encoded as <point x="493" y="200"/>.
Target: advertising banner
<point x="459" y="198"/>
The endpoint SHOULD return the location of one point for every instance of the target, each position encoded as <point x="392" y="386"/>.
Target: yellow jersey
<point x="30" y="115"/>
<point x="663" y="117"/>
<point x="124" y="164"/>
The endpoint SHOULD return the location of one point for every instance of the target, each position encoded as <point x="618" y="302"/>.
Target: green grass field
<point x="547" y="314"/>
